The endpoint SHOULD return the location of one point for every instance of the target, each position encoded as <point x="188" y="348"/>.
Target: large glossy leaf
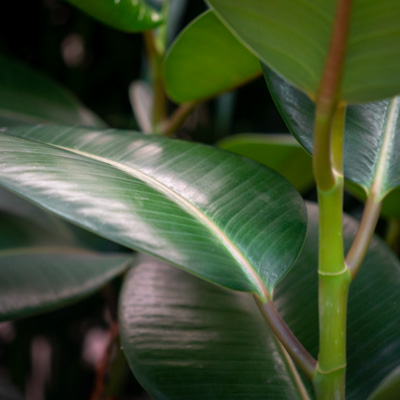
<point x="125" y="15"/>
<point x="28" y="97"/>
<point x="282" y="153"/>
<point x="372" y="135"/>
<point x="187" y="339"/>
<point x="373" y="316"/>
<point x="293" y="36"/>
<point x="224" y="218"/>
<point x="206" y="60"/>
<point x="40" y="272"/>
<point x="184" y="338"/>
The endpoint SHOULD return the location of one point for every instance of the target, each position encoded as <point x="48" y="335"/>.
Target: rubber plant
<point x="267" y="314"/>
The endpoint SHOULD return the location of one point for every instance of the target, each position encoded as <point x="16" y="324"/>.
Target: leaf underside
<point x="292" y="37"/>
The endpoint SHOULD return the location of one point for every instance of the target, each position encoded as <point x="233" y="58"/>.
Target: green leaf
<point x="219" y="216"/>
<point x="372" y="135"/>
<point x="389" y="389"/>
<point x="206" y="60"/>
<point x="28" y="97"/>
<point x="125" y="15"/>
<point x="292" y="37"/>
<point x="282" y="153"/>
<point x="185" y="338"/>
<point x="373" y="318"/>
<point x="38" y="272"/>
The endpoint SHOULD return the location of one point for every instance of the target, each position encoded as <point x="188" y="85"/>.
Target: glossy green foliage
<point x="125" y="15"/>
<point x="27" y="97"/>
<point x="373" y="318"/>
<point x="219" y="216"/>
<point x="41" y="270"/>
<point x="292" y="37"/>
<point x="192" y="340"/>
<point x="389" y="389"/>
<point x="372" y="135"/>
<point x="206" y="60"/>
<point x="187" y="339"/>
<point x="282" y="153"/>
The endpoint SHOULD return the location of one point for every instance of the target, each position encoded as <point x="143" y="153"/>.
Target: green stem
<point x="175" y="121"/>
<point x="286" y="337"/>
<point x="334" y="276"/>
<point x="364" y="234"/>
<point x="159" y="111"/>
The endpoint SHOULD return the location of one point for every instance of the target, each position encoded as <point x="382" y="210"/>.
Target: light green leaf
<point x="39" y="272"/>
<point x="221" y="217"/>
<point x="292" y="37"/>
<point x="125" y="15"/>
<point x="373" y="318"/>
<point x="282" y="153"/>
<point x="187" y="339"/>
<point x="206" y="60"/>
<point x="28" y="97"/>
<point x="372" y="135"/>
<point x="389" y="389"/>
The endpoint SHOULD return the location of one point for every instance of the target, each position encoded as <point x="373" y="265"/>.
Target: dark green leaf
<point x="282" y="153"/>
<point x="206" y="60"/>
<point x="39" y="272"/>
<point x="187" y="339"/>
<point x="293" y="36"/>
<point x="389" y="389"/>
<point x="125" y="15"/>
<point x="219" y="216"/>
<point x="28" y="97"/>
<point x="372" y="135"/>
<point x="373" y="315"/>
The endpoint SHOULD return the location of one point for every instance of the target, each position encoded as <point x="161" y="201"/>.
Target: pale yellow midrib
<point x="385" y="149"/>
<point x="242" y="261"/>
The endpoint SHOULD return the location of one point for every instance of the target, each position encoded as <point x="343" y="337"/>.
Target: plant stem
<point x="159" y="112"/>
<point x="334" y="276"/>
<point x="286" y="337"/>
<point x="365" y="231"/>
<point x="175" y="121"/>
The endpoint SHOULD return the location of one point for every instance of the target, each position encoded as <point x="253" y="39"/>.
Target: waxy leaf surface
<point x="125" y="15"/>
<point x="282" y="153"/>
<point x="187" y="339"/>
<point x="28" y="97"/>
<point x="372" y="135"/>
<point x="373" y="319"/>
<point x="206" y="60"/>
<point x="224" y="218"/>
<point x="41" y="271"/>
<point x="292" y="37"/>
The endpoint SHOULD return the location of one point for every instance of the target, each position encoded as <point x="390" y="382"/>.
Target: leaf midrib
<point x="245" y="265"/>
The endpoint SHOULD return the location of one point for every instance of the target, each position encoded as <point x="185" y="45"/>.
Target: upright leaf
<point x="372" y="135"/>
<point x="282" y="153"/>
<point x="28" y="97"/>
<point x="292" y="37"/>
<point x="223" y="218"/>
<point x="185" y="338"/>
<point x="125" y="15"/>
<point x="206" y="60"/>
